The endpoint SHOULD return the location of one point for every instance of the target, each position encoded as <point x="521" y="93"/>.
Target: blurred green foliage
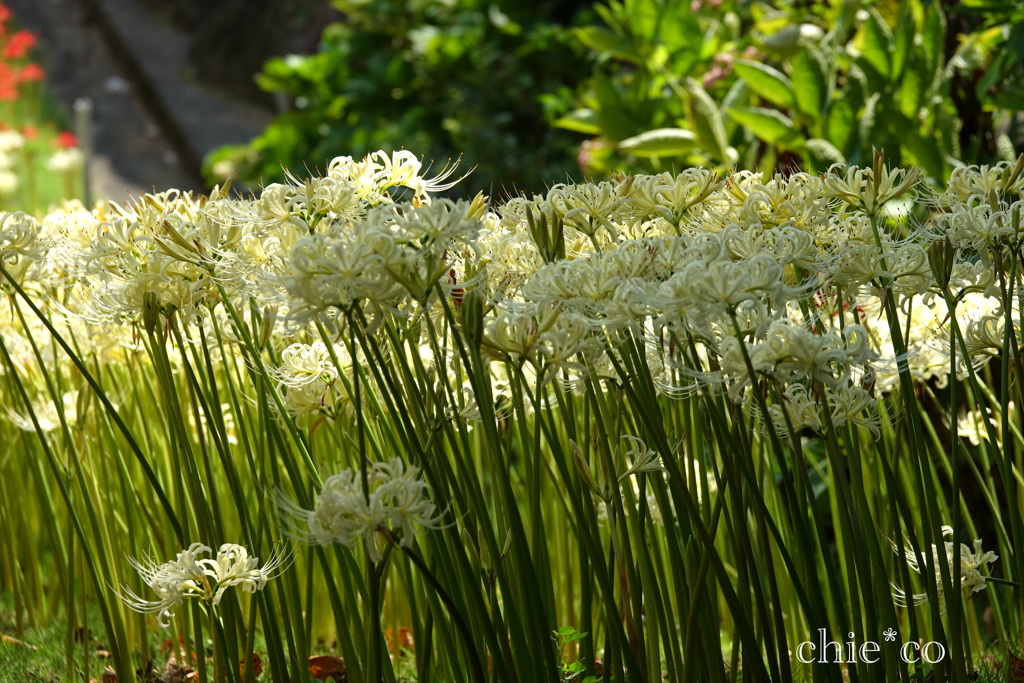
<point x="652" y="84"/>
<point x="441" y="79"/>
<point x="769" y="85"/>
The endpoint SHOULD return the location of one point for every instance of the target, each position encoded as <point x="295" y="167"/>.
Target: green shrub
<point x="440" y="79"/>
<point x="769" y="85"/>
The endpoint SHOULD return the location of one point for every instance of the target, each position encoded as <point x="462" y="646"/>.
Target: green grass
<point x="37" y="654"/>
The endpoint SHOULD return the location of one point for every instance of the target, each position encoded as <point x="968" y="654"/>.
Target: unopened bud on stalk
<point x="150" y="312"/>
<point x="472" y="318"/>
<point x="940" y="260"/>
<point x="548" y="235"/>
<point x="267" y="323"/>
<point x="1011" y="175"/>
<point x="583" y="468"/>
<point x="478" y="207"/>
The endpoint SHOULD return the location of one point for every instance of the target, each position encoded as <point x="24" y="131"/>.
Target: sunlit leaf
<point x="769" y="125"/>
<point x="766" y="82"/>
<point x="581" y="120"/>
<point x="810" y="81"/>
<point x="660" y="142"/>
<point x="903" y="41"/>
<point x="821" y="154"/>
<point x="840" y="123"/>
<point x="707" y="121"/>
<point x="878" y="44"/>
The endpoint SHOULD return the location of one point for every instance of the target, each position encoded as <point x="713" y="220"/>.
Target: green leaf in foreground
<point x="707" y="122"/>
<point x="810" y="82"/>
<point x="660" y="142"/>
<point x="580" y="120"/>
<point x="772" y="126"/>
<point x="821" y="154"/>
<point x="767" y="82"/>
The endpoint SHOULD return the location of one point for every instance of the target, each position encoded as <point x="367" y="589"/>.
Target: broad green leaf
<point x="911" y="95"/>
<point x="736" y="97"/>
<point x="903" y="41"/>
<point x="680" y="31"/>
<point x="598" y="39"/>
<point x="933" y="38"/>
<point x="660" y="142"/>
<point x="878" y="44"/>
<point x="615" y="120"/>
<point x="821" y="154"/>
<point x="772" y="126"/>
<point x="840" y="123"/>
<point x="856" y="87"/>
<point x="581" y="120"/>
<point x="810" y="81"/>
<point x="706" y="120"/>
<point x="866" y="125"/>
<point x="766" y="82"/>
<point x="924" y="152"/>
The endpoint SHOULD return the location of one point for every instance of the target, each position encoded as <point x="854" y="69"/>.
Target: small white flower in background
<point x="188" y="576"/>
<point x="398" y="499"/>
<point x="10" y="140"/>
<point x="64" y="160"/>
<point x="971" y="562"/>
<point x="8" y="181"/>
<point x="46" y="414"/>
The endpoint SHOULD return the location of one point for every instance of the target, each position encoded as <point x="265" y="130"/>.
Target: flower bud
<point x="583" y="468"/>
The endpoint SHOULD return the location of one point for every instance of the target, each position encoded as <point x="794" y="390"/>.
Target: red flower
<point x="66" y="140"/>
<point x="5" y="13"/>
<point x="8" y="83"/>
<point x="31" y="72"/>
<point x="19" y="45"/>
<point x="29" y="132"/>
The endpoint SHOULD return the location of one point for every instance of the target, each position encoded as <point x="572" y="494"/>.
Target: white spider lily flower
<point x="172" y="581"/>
<point x="970" y="577"/>
<point x="344" y="513"/>
<point x="235" y="567"/>
<point x="188" y="576"/>
<point x="644" y="459"/>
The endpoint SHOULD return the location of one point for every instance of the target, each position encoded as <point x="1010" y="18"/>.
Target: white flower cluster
<point x="783" y="283"/>
<point x="970" y="577"/>
<point x="345" y="513"/>
<point x="205" y="579"/>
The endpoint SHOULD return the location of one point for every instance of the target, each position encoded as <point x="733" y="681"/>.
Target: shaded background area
<point x="169" y="80"/>
<point x="191" y="92"/>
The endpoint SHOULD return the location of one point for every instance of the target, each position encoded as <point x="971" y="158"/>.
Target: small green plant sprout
<point x="563" y="636"/>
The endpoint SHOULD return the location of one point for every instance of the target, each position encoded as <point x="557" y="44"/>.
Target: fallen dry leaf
<point x="7" y="640"/>
<point x="404" y="640"/>
<point x="173" y="673"/>
<point x="1016" y="669"/>
<point x="328" y="666"/>
<point x="257" y="665"/>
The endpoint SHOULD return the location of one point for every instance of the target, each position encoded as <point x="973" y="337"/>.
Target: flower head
<point x="344" y="513"/>
<point x="188" y="576"/>
<point x="971" y="561"/>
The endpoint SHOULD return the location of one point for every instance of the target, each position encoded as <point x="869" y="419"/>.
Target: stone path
<point x="152" y="123"/>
